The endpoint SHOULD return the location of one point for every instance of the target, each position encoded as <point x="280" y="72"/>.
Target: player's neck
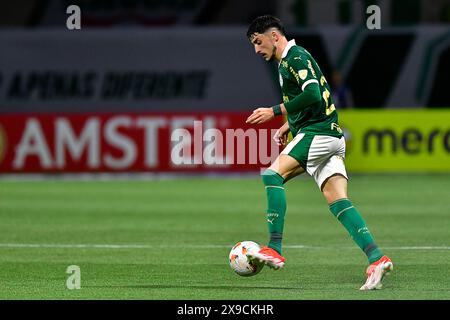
<point x="282" y="43"/>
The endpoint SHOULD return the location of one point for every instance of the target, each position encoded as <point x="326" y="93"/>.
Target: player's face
<point x="264" y="45"/>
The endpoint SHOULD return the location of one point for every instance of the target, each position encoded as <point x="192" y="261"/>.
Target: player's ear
<point x="275" y="36"/>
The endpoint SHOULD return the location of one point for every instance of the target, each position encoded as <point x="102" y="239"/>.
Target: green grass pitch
<point x="170" y="239"/>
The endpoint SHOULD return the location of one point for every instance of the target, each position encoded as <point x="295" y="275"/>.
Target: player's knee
<point x="266" y="175"/>
<point x="330" y="195"/>
<point x="333" y="194"/>
<point x="271" y="177"/>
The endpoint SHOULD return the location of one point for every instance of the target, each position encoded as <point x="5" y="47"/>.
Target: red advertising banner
<point x="144" y="142"/>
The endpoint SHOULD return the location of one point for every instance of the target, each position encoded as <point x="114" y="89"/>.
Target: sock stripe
<point x="370" y="248"/>
<point x="335" y="201"/>
<point x="274" y="187"/>
<point x="276" y="236"/>
<point x="342" y="211"/>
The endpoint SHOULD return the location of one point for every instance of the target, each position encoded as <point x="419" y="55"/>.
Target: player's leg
<point x="334" y="189"/>
<point x="327" y="166"/>
<point x="274" y="178"/>
<point x="284" y="168"/>
<point x="293" y="174"/>
<point x="335" y="192"/>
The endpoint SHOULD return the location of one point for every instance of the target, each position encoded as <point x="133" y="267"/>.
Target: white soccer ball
<point x="239" y="261"/>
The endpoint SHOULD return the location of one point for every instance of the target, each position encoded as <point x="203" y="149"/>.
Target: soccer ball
<point x="239" y="261"/>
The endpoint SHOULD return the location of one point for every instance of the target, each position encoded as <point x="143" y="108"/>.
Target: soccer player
<point x="318" y="146"/>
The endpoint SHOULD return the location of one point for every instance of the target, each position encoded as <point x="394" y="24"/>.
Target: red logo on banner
<point x="134" y="143"/>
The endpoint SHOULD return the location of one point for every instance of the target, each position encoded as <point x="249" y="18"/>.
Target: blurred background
<point x="107" y="97"/>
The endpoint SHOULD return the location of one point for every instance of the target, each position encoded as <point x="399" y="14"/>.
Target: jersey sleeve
<point x="302" y="69"/>
<point x="309" y="96"/>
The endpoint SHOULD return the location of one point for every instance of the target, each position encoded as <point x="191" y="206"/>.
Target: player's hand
<point x="281" y="135"/>
<point x="260" y="115"/>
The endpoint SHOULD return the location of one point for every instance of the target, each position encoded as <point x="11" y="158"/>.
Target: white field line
<point x="194" y="246"/>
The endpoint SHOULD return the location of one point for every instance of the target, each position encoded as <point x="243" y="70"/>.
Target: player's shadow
<point x="179" y="286"/>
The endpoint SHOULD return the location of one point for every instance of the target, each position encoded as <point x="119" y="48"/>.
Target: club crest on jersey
<point x="303" y="74"/>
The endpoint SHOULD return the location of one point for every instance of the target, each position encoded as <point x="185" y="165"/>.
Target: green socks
<point x="342" y="209"/>
<point x="347" y="214"/>
<point x="276" y="207"/>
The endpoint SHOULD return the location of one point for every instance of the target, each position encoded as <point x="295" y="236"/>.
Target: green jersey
<point x="297" y="70"/>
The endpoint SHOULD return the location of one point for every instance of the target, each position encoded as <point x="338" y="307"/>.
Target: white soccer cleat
<point x="376" y="272"/>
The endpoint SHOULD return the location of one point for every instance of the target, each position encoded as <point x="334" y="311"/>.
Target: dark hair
<point x="264" y="23"/>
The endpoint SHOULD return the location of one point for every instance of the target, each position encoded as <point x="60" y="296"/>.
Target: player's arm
<point x="310" y="95"/>
<point x="281" y="136"/>
<point x="262" y="115"/>
<point x="305" y="75"/>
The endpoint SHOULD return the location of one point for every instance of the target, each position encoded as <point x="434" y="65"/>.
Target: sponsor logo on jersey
<point x="311" y="68"/>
